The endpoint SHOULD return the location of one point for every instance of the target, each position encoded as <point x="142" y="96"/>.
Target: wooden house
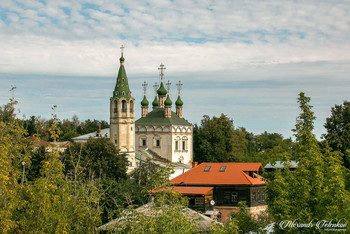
<point x="220" y="186"/>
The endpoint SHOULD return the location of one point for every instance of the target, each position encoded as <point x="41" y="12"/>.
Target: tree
<point x="338" y="130"/>
<point x="99" y="158"/>
<point x="168" y="213"/>
<point x="13" y="157"/>
<point x="268" y="147"/>
<point x="216" y="140"/>
<point x="316" y="190"/>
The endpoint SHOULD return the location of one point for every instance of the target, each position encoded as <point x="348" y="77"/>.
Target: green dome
<point x="122" y="59"/>
<point x="155" y="102"/>
<point x="179" y="102"/>
<point x="144" y="102"/>
<point x="162" y="91"/>
<point x="167" y="101"/>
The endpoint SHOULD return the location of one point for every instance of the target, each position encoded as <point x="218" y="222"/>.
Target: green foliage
<point x="229" y="228"/>
<point x="70" y="128"/>
<point x="98" y="157"/>
<point x="12" y="153"/>
<point x="244" y="220"/>
<point x="167" y="214"/>
<point x="216" y="140"/>
<point x="338" y="130"/>
<point x="150" y="175"/>
<point x="50" y="202"/>
<point x="268" y="147"/>
<point x="118" y="195"/>
<point x="316" y="190"/>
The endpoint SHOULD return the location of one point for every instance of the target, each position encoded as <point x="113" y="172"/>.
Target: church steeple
<point x="122" y="85"/>
<point x="122" y="116"/>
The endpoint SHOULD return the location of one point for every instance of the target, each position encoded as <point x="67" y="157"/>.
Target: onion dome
<point x="122" y="59"/>
<point x="167" y="101"/>
<point x="161" y="91"/>
<point x="144" y="102"/>
<point x="179" y="102"/>
<point x="155" y="102"/>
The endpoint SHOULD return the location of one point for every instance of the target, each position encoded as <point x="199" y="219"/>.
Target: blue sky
<point x="246" y="59"/>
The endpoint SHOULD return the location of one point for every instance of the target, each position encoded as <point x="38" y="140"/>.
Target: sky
<point x="246" y="59"/>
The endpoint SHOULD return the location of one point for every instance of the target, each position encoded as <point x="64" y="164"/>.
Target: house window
<point x="254" y="196"/>
<point x="207" y="168"/>
<point x="234" y="196"/>
<point x="222" y="168"/>
<point x="177" y="145"/>
<point x="259" y="196"/>
<point x="123" y="106"/>
<point x="263" y="196"/>
<point x="115" y="141"/>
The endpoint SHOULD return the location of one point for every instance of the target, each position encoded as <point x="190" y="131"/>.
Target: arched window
<point x="177" y="144"/>
<point x="124" y="106"/>
<point x="184" y="143"/>
<point x="115" y="106"/>
<point x="131" y="106"/>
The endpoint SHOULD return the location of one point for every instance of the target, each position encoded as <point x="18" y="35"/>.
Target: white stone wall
<point x="167" y="136"/>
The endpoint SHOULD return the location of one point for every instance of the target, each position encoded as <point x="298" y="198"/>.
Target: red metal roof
<point x="193" y="190"/>
<point x="234" y="174"/>
<point x="185" y="190"/>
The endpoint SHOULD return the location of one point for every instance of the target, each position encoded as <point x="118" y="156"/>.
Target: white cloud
<point x="300" y="44"/>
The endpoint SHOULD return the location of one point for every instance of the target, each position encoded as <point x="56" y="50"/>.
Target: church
<point x="160" y="134"/>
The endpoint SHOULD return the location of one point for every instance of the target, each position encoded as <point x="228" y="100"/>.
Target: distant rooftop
<point x="85" y="137"/>
<point x="281" y="164"/>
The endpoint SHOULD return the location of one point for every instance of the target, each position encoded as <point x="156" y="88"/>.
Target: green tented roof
<point x="122" y="86"/>
<point x="156" y="117"/>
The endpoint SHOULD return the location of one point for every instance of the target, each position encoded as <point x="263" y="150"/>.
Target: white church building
<point x="160" y="135"/>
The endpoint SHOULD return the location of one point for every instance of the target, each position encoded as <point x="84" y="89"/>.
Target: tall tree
<point x="338" y="130"/>
<point x="216" y="140"/>
<point x="316" y="190"/>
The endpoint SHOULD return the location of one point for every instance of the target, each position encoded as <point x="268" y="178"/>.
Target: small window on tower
<point x="115" y="141"/>
<point x="143" y="142"/>
<point x="131" y="106"/>
<point x="158" y="143"/>
<point x="123" y="105"/>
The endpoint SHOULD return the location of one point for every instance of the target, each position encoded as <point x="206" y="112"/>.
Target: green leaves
<point x="216" y="140"/>
<point x="316" y="190"/>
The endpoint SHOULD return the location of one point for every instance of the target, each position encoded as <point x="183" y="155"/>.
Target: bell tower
<point x="122" y="116"/>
